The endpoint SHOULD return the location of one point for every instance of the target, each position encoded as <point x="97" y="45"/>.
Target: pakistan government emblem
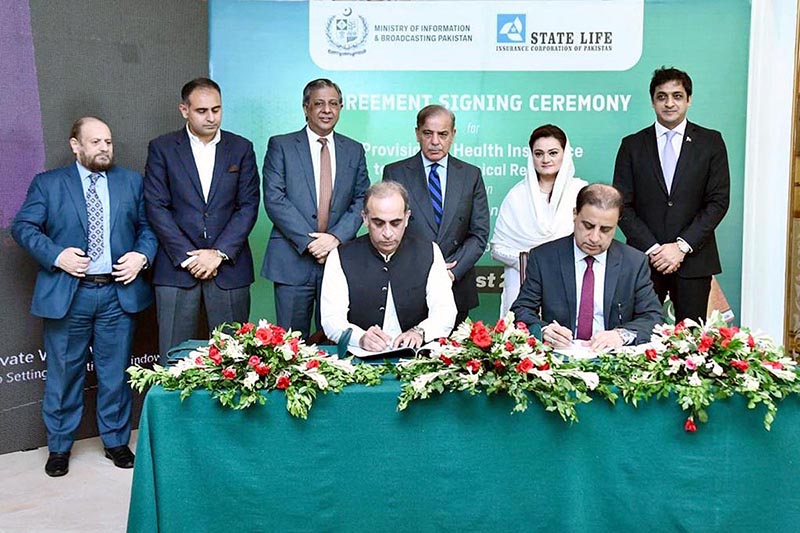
<point x="347" y="33"/>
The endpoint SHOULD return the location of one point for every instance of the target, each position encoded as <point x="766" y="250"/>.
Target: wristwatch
<point x="683" y="246"/>
<point x="222" y="255"/>
<point x="419" y="331"/>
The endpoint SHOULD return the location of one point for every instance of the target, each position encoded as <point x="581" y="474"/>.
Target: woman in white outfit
<point x="539" y="208"/>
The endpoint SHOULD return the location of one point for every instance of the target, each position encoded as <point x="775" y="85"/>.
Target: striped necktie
<point x="435" y="190"/>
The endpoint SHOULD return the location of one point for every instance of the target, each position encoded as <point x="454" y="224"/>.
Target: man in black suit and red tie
<point x="675" y="181"/>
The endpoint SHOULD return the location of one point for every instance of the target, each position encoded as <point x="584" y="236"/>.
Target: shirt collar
<point x="679" y="129"/>
<point x="580" y="254"/>
<point x="427" y="162"/>
<point x="313" y="137"/>
<point x="194" y="139"/>
<point x="84" y="172"/>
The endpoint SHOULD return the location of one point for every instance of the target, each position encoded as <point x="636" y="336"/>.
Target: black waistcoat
<point x="368" y="277"/>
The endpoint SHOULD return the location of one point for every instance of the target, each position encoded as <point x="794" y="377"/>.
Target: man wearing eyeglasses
<point x="314" y="186"/>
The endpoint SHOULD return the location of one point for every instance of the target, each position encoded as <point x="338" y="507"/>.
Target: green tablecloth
<point x="460" y="463"/>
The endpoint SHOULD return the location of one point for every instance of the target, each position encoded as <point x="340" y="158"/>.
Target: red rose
<point x="261" y="369"/>
<point x="650" y="354"/>
<point x="277" y="334"/>
<point x="751" y="342"/>
<point x="253" y="361"/>
<point x="673" y="357"/>
<point x="312" y="364"/>
<point x="229" y="373"/>
<point x="725" y="342"/>
<point x="727" y="333"/>
<point x="283" y="382"/>
<point x="442" y="341"/>
<point x="247" y="327"/>
<point x="264" y="335"/>
<point x="480" y="335"/>
<point x="446" y="360"/>
<point x="322" y="353"/>
<point x="509" y="346"/>
<point x="294" y="343"/>
<point x="455" y="344"/>
<point x="498" y="364"/>
<point x="705" y="343"/>
<point x="776" y="365"/>
<point x="680" y="326"/>
<point x="524" y="366"/>
<point x="500" y="327"/>
<point x="531" y="342"/>
<point x="213" y="354"/>
<point x="545" y="366"/>
<point x="690" y="425"/>
<point x="522" y="326"/>
<point x="473" y="365"/>
<point x="740" y="365"/>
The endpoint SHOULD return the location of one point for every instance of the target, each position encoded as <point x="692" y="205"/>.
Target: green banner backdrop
<point x="259" y="53"/>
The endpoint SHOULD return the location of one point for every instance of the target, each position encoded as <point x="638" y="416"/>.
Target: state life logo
<point x="510" y="28"/>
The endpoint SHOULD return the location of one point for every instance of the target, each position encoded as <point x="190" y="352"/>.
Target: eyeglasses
<point x="333" y="104"/>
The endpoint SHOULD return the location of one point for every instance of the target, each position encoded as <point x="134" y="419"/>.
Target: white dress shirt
<point x="599" y="270"/>
<point x="204" y="157"/>
<point x="316" y="155"/>
<point x="335" y="302"/>
<point x="441" y="170"/>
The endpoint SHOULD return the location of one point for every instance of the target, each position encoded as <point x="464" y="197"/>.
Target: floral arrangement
<point x="236" y="367"/>
<point x="703" y="362"/>
<point x="503" y="358"/>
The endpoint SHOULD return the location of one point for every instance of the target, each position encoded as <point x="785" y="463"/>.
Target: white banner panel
<point x="475" y="35"/>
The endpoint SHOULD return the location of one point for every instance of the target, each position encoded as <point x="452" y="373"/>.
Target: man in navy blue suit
<point x="201" y="192"/>
<point x="314" y="186"/>
<point x="85" y="225"/>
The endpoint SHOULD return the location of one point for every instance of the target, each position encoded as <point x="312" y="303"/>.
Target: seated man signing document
<point x="392" y="291"/>
<point x="588" y="287"/>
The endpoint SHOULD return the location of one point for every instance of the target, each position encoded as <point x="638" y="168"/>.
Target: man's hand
<point x="206" y="264"/>
<point x="409" y="339"/>
<point x="375" y="340"/>
<point x="128" y="267"/>
<point x="449" y="267"/>
<point x="322" y="245"/>
<point x="73" y="261"/>
<point x="667" y="258"/>
<point x="605" y="339"/>
<point x="557" y="335"/>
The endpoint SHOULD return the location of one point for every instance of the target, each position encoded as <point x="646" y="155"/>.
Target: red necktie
<point x="586" y="308"/>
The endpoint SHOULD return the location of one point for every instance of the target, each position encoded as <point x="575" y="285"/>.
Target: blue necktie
<point x="94" y="211"/>
<point x="668" y="160"/>
<point x="435" y="189"/>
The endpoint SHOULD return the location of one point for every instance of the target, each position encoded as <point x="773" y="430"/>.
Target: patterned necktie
<point x="435" y="190"/>
<point x="668" y="160"/>
<point x="94" y="211"/>
<point x="586" y="309"/>
<point x="325" y="186"/>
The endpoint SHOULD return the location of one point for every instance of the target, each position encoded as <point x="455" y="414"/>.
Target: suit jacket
<point x="549" y="292"/>
<point x="290" y="199"/>
<point x="691" y="210"/>
<point x="53" y="217"/>
<point x="183" y="220"/>
<point x="464" y="230"/>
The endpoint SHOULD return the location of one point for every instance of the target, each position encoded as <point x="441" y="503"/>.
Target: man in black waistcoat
<point x="402" y="295"/>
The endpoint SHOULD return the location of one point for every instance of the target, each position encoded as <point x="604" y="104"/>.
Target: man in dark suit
<point x="201" y="192"/>
<point x="85" y="225"/>
<point x="448" y="201"/>
<point x="588" y="286"/>
<point x="675" y="181"/>
<point x="314" y="186"/>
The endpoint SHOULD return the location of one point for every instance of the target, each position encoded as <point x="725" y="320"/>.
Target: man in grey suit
<point x="560" y="293"/>
<point x="448" y="201"/>
<point x="314" y="186"/>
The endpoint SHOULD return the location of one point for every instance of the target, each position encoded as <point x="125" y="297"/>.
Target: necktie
<point x="586" y="308"/>
<point x="668" y="160"/>
<point x="94" y="211"/>
<point x="325" y="185"/>
<point x="435" y="189"/>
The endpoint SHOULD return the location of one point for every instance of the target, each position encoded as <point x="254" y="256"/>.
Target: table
<point x="460" y="463"/>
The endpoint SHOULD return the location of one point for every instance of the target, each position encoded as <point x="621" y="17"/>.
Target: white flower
<point x="695" y="380"/>
<point x="250" y="380"/>
<point x="462" y="332"/>
<point x="591" y="379"/>
<point x="749" y="382"/>
<point x="714" y="368"/>
<point x="421" y="382"/>
<point x="235" y="350"/>
<point x="544" y="375"/>
<point x="342" y="364"/>
<point x="313" y="373"/>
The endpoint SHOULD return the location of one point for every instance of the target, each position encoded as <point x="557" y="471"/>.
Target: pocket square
<point x="233" y="168"/>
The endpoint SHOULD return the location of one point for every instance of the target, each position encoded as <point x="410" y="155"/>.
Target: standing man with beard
<point x="314" y="186"/>
<point x="448" y="201"/>
<point x="85" y="225"/>
<point x="201" y="189"/>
